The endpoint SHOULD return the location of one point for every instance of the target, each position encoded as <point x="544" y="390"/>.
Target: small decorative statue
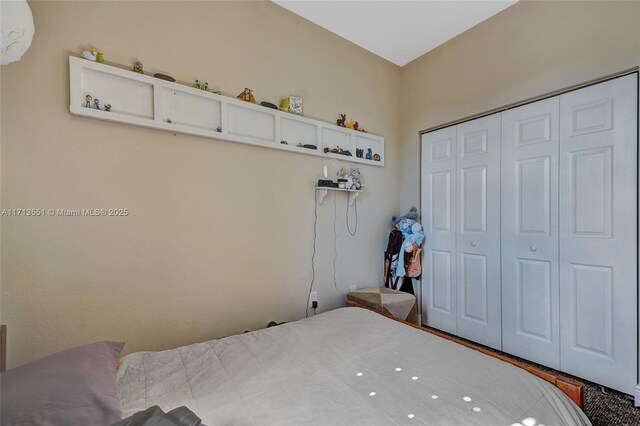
<point x="90" y="54"/>
<point x="88" y="100"/>
<point x="369" y="154"/>
<point x="197" y="85"/>
<point x="349" y="125"/>
<point x="138" y="67"/>
<point x="100" y="57"/>
<point x="284" y="104"/>
<point x="376" y="157"/>
<point x="96" y="103"/>
<point x="355" y="126"/>
<point x="107" y="107"/>
<point x="359" y="152"/>
<point x="247" y="96"/>
<point x="341" y="120"/>
<point x="219" y="129"/>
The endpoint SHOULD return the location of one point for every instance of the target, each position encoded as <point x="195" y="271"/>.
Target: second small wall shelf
<point x="142" y="100"/>
<point x="321" y="192"/>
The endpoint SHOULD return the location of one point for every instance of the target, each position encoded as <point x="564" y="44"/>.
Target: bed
<point x="349" y="366"/>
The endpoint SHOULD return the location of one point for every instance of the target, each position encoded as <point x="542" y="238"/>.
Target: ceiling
<point x="398" y="31"/>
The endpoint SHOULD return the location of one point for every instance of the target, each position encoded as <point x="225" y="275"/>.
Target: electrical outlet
<point x="353" y="288"/>
<point x="313" y="297"/>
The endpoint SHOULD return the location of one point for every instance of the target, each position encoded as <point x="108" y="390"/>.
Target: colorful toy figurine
<point x="349" y="125"/>
<point x="138" y="67"/>
<point x="359" y="152"/>
<point x="284" y="104"/>
<point x="96" y="103"/>
<point x="341" y="120"/>
<point x="376" y="157"/>
<point x="100" y="57"/>
<point x="88" y="100"/>
<point x="369" y="154"/>
<point x="355" y="126"/>
<point x="197" y="85"/>
<point x="247" y="95"/>
<point x="107" y="107"/>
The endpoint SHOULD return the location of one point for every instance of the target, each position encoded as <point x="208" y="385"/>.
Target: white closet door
<point x="530" y="290"/>
<point x="478" y="236"/>
<point x="438" y="216"/>
<point x="598" y="254"/>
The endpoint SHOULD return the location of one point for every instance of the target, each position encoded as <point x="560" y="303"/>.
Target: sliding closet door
<point x="438" y="215"/>
<point x="530" y="291"/>
<point x="478" y="236"/>
<point x="598" y="254"/>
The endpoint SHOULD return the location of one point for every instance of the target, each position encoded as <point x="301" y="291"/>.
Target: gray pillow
<point x="72" y="387"/>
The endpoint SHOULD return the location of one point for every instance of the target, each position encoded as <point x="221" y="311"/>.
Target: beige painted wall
<point x="528" y="49"/>
<point x="219" y="238"/>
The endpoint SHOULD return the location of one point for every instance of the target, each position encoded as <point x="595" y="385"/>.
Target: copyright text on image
<point x="60" y="212"/>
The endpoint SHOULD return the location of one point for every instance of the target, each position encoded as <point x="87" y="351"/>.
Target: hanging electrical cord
<point x="355" y="208"/>
<point x="335" y="239"/>
<point x="313" y="256"/>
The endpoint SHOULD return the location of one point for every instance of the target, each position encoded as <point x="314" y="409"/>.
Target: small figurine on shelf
<point x="96" y="103"/>
<point x="217" y="92"/>
<point x="247" y="96"/>
<point x="107" y="107"/>
<point x="355" y="126"/>
<point x="138" y="67"/>
<point x="90" y="54"/>
<point x="349" y="125"/>
<point x="284" y="142"/>
<point x="326" y="149"/>
<point x="88" y="100"/>
<point x="376" y="157"/>
<point x="347" y="153"/>
<point x="295" y="105"/>
<point x="219" y="129"/>
<point x="341" y="120"/>
<point x="100" y="57"/>
<point x="359" y="152"/>
<point x="202" y="86"/>
<point x="284" y="104"/>
<point x="369" y="154"/>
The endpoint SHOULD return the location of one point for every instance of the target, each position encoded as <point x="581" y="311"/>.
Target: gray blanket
<point x="344" y="367"/>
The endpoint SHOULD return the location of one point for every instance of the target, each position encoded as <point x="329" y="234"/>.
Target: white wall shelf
<point x="146" y="101"/>
<point x="321" y="192"/>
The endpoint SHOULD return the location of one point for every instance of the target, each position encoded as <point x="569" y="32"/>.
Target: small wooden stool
<point x="391" y="302"/>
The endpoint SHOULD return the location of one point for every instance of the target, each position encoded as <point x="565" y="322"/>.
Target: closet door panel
<point x="598" y="230"/>
<point x="438" y="214"/>
<point x="530" y="280"/>
<point x="478" y="236"/>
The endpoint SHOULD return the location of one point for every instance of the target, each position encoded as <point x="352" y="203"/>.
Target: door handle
<point x="533" y="248"/>
<point x="474" y="243"/>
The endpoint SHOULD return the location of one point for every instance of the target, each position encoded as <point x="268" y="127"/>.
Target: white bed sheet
<point x="344" y="367"/>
